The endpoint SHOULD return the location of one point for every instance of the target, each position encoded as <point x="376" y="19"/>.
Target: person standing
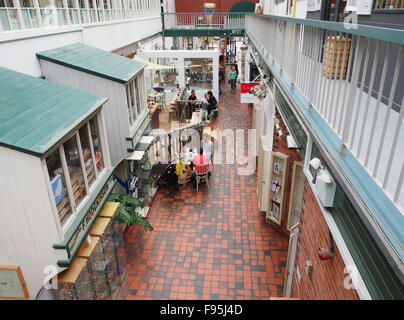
<point x="192" y="99"/>
<point x="221" y="77"/>
<point x="233" y="77"/>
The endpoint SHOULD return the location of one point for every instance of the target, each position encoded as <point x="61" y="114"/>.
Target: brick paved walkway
<point x="208" y="245"/>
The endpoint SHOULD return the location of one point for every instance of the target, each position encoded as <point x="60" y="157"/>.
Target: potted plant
<point x="127" y="213"/>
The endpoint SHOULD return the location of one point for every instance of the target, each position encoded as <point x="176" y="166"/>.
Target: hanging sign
<point x="246" y="96"/>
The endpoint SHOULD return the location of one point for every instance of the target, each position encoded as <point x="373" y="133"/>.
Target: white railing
<point x="353" y="78"/>
<point x="219" y="20"/>
<point x="18" y="18"/>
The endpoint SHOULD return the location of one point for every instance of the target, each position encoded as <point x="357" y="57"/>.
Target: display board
<point x="277" y="187"/>
<point x="12" y="284"/>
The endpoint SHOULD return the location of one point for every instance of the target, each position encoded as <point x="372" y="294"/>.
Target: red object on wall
<point x="324" y="254"/>
<point x="182" y="6"/>
<point x="246" y="87"/>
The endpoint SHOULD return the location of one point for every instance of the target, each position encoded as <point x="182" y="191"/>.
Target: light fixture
<point x="291" y="143"/>
<point x="315" y="163"/>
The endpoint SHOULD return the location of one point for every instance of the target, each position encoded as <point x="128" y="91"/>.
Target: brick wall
<point x="197" y="5"/>
<point x="326" y="281"/>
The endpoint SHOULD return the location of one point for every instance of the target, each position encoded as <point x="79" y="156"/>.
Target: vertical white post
<point x="66" y="11"/>
<point x="38" y="13"/>
<point x="20" y="18"/>
<point x="347" y="116"/>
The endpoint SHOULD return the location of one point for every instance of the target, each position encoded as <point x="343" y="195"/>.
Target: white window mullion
<point x="77" y="8"/>
<point x="135" y="99"/>
<point x="92" y="149"/>
<point x="54" y="14"/>
<point x="38" y="13"/>
<point x="67" y="178"/>
<point x="103" y="140"/>
<point x="83" y="165"/>
<point x="16" y="4"/>
<point x="66" y="11"/>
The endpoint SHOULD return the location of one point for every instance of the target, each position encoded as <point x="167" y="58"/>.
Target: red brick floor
<point x="211" y="244"/>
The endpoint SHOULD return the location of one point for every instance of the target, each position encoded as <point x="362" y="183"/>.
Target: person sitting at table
<point x="211" y="102"/>
<point x="192" y="99"/>
<point x="200" y="160"/>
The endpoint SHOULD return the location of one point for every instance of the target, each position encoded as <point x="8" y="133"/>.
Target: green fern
<point x="127" y="213"/>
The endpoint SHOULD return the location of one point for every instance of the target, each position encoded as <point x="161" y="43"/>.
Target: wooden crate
<point x="333" y="63"/>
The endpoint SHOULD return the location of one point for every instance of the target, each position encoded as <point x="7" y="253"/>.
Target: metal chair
<point x="201" y="174"/>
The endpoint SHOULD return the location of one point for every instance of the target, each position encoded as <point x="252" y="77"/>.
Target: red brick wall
<point x="197" y="5"/>
<point x="326" y="281"/>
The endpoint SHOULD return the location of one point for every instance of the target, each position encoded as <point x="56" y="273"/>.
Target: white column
<point x="77" y="6"/>
<point x="54" y="15"/>
<point x="38" y="13"/>
<point x="181" y="72"/>
<point x="16" y="4"/>
<point x="66" y="11"/>
<point x="216" y="76"/>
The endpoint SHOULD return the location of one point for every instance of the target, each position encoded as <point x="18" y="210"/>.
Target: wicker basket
<point x="331" y="55"/>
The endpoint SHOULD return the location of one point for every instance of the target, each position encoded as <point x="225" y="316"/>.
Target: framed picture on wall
<point x="275" y="211"/>
<point x="277" y="167"/>
<point x="12" y="284"/>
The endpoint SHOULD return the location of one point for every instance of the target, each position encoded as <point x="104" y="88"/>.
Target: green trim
<point x="202" y="32"/>
<point x="383" y="34"/>
<point x="83" y="212"/>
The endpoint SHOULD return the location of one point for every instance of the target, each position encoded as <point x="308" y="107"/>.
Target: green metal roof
<point x="35" y="114"/>
<point x="95" y="61"/>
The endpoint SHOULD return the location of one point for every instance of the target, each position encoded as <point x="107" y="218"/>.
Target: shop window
<point x="132" y="109"/>
<point x="199" y="73"/>
<point x="75" y="170"/>
<point x="165" y="79"/>
<point x="139" y="101"/>
<point x="296" y="196"/>
<point x="8" y="15"/>
<point x="58" y="184"/>
<point x="292" y="122"/>
<point x="79" y="167"/>
<point x="388" y="4"/>
<point x="28" y="12"/>
<point x="95" y="136"/>
<point x="87" y="154"/>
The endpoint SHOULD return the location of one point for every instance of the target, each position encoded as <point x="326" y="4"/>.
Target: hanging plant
<point x="127" y="213"/>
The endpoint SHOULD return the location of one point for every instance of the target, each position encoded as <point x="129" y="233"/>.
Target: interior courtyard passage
<point x="211" y="244"/>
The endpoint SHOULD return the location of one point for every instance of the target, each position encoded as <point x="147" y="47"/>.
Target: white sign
<point x="248" y="98"/>
<point x="313" y="5"/>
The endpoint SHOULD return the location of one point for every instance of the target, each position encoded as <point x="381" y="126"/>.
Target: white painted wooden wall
<point x="28" y="226"/>
<point x="115" y="110"/>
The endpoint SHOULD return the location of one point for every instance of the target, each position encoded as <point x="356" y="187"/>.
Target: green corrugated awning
<point x="94" y="61"/>
<point x="35" y="114"/>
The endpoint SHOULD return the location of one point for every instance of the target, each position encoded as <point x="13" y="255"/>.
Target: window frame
<point x="98" y="174"/>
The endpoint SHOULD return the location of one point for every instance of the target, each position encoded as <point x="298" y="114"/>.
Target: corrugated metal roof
<point x="95" y="61"/>
<point x="35" y="114"/>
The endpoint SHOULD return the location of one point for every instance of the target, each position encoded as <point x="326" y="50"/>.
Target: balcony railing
<point x="353" y="77"/>
<point x="11" y="20"/>
<point x="218" y="20"/>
